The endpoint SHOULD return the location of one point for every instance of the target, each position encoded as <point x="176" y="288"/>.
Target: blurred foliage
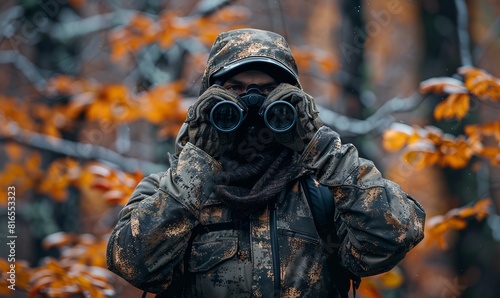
<point x="155" y="59"/>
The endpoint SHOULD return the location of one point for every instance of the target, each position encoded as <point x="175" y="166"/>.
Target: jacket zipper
<point x="275" y="251"/>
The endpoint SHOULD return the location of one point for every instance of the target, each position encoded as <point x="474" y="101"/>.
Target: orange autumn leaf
<point x="455" y="219"/>
<point x="142" y="25"/>
<point x="369" y="289"/>
<point x="117" y="186"/>
<point x="480" y="83"/>
<point x="141" y="31"/>
<point x="480" y="210"/>
<point x="396" y="137"/>
<point x="421" y="154"/>
<point x="116" y="197"/>
<point x="13" y="175"/>
<point x="394" y="140"/>
<point x="59" y="176"/>
<point x="232" y="14"/>
<point x="375" y="285"/>
<point x="63" y="85"/>
<point x="455" y="105"/>
<point x="102" y="184"/>
<point x="162" y="103"/>
<point x="67" y="85"/>
<point x="55" y="279"/>
<point x="491" y="129"/>
<point x="58" y="240"/>
<point x="14" y="151"/>
<point x="487" y="129"/>
<point x="22" y="276"/>
<point x="303" y="57"/>
<point x="473" y="130"/>
<point x="430" y="146"/>
<point x="434" y="134"/>
<point x="492" y="154"/>
<point x="118" y="49"/>
<point x="51" y="130"/>
<point x="443" y="85"/>
<point x="78" y="248"/>
<point x="439" y="225"/>
<point x="391" y="279"/>
<point x="22" y="174"/>
<point x="33" y="162"/>
<point x="93" y="254"/>
<point x="327" y="62"/>
<point x="456" y="153"/>
<point x="172" y="28"/>
<point x="208" y="30"/>
<point x="15" y="113"/>
<point x="109" y="102"/>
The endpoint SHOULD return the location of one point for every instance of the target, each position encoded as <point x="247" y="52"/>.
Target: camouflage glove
<point x="308" y="121"/>
<point x="200" y="131"/>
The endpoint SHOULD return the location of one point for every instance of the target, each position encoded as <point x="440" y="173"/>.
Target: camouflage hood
<point x="237" y="49"/>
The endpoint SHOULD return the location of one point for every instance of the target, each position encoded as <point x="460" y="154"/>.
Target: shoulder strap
<point x="322" y="206"/>
<point x="323" y="211"/>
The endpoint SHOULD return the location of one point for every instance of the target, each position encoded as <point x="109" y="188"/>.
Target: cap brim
<point x="246" y="63"/>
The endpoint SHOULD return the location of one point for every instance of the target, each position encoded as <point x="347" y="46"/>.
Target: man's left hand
<point x="308" y="121"/>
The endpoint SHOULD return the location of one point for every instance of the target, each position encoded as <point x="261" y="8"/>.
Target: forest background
<point x="92" y="94"/>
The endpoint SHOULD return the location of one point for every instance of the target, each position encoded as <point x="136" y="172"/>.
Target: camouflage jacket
<point x="279" y="252"/>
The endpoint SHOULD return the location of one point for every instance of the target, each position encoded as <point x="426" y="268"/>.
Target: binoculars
<point x="227" y="116"/>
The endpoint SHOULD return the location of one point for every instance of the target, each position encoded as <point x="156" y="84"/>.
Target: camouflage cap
<point x="238" y="50"/>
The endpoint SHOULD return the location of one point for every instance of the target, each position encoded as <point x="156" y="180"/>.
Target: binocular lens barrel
<point x="226" y="116"/>
<point x="280" y="116"/>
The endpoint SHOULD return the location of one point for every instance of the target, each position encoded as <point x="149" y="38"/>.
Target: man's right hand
<point x="201" y="132"/>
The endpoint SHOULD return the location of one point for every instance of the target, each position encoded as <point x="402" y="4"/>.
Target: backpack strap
<point x="322" y="207"/>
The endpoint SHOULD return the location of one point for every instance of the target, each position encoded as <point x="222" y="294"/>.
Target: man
<point x="231" y="217"/>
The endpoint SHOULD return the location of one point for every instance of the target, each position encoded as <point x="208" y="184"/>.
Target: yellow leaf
<point x="369" y="289"/>
<point x="434" y="134"/>
<point x="492" y="129"/>
<point x="456" y="153"/>
<point x="14" y="151"/>
<point x="481" y="83"/>
<point x="491" y="153"/>
<point x="99" y="111"/>
<point x="421" y="154"/>
<point x="392" y="279"/>
<point x="455" y="105"/>
<point x="59" y="239"/>
<point x="443" y="85"/>
<point x="34" y="162"/>
<point x="393" y="140"/>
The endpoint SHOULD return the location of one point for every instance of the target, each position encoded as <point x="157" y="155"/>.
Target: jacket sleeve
<point x="147" y="246"/>
<point x="377" y="223"/>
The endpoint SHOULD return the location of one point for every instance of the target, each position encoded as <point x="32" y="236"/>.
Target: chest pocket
<point x="211" y="249"/>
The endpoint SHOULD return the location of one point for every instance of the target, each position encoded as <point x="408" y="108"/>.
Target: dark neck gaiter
<point x="251" y="178"/>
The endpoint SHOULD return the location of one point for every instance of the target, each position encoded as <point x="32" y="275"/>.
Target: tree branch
<point x="463" y="32"/>
<point x="27" y="68"/>
<point x="208" y="7"/>
<point x="6" y="29"/>
<point x="85" y="26"/>
<point x="79" y="150"/>
<point x="377" y="122"/>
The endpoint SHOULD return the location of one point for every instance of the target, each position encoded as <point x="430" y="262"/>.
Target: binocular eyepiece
<point x="227" y="116"/>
